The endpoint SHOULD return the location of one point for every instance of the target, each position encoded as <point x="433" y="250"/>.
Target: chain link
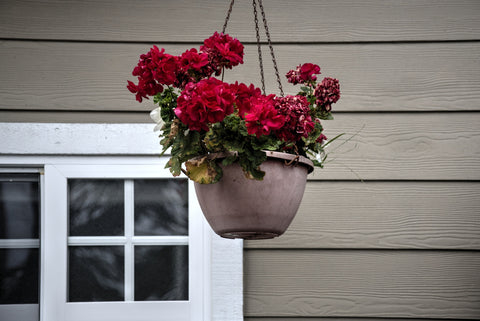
<point x="228" y="16"/>
<point x="259" y="46"/>
<point x="271" y="47"/>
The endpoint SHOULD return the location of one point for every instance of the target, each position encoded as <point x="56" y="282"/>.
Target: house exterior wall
<point x="391" y="227"/>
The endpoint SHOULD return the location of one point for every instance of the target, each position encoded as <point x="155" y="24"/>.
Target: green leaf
<point x="229" y="160"/>
<point x="317" y="163"/>
<point x="175" y="166"/>
<point x="256" y="174"/>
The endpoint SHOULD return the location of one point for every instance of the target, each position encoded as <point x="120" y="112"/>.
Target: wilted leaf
<point x="203" y="170"/>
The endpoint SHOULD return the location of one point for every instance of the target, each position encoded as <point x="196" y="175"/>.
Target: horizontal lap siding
<point x="400" y="245"/>
<point x="191" y="20"/>
<point x="384" y="215"/>
<point x="397" y="284"/>
<point x="374" y="77"/>
<point x="403" y="146"/>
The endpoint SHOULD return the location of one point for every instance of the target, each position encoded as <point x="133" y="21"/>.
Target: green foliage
<point x="190" y="147"/>
<point x="167" y="100"/>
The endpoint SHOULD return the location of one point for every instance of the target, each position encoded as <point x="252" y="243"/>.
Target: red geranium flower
<point x="327" y="93"/>
<point x="154" y="69"/>
<point x="321" y="139"/>
<point x="263" y="117"/>
<point x="144" y="89"/>
<point x="244" y="96"/>
<point x="205" y="102"/>
<point x="298" y="122"/>
<point x="223" y="51"/>
<point x="303" y="73"/>
<point x="192" y="59"/>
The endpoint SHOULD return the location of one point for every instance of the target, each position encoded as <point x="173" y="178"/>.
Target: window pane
<point x="161" y="273"/>
<point x="96" y="273"/>
<point x="161" y="207"/>
<point x="19" y="206"/>
<point x="96" y="207"/>
<point x="19" y="276"/>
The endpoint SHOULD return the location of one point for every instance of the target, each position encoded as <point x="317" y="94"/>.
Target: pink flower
<point x="205" y="102"/>
<point x="303" y="73"/>
<point x="263" y="117"/>
<point x="327" y="93"/>
<point x="298" y="121"/>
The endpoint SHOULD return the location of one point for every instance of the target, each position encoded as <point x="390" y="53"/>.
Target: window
<point x="19" y="245"/>
<point x="102" y="205"/>
<point x="126" y="239"/>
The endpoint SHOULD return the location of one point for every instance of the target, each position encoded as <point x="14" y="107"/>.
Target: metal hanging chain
<point x="258" y="42"/>
<point x="259" y="46"/>
<point x="271" y="47"/>
<point x="228" y="16"/>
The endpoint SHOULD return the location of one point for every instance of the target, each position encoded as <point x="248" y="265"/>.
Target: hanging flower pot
<point x="238" y="207"/>
<point x="200" y="116"/>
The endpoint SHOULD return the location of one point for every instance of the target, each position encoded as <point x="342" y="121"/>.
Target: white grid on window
<point x="129" y="240"/>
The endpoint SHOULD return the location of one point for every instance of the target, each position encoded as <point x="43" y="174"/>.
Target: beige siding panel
<point x="186" y="20"/>
<point x="34" y="116"/>
<point x="413" y="146"/>
<point x="384" y="215"/>
<point x="384" y="284"/>
<point x="374" y="77"/>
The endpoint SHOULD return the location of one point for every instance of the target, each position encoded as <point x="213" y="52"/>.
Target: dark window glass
<point x="96" y="207"/>
<point x="161" y="207"/>
<point x="161" y="273"/>
<point x="19" y="276"/>
<point x="19" y="206"/>
<point x="96" y="273"/>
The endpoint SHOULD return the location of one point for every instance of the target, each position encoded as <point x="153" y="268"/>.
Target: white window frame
<point x="60" y="149"/>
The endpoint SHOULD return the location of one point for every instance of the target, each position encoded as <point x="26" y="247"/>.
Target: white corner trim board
<point x="28" y="144"/>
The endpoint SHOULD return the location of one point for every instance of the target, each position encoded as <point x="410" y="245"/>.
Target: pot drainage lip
<point x="249" y="235"/>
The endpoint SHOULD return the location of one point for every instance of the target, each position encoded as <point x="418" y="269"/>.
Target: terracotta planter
<point x="237" y="207"/>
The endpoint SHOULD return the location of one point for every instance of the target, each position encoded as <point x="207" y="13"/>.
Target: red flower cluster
<point x="193" y="66"/>
<point x="321" y="139"/>
<point x="205" y="102"/>
<point x="263" y="117"/>
<point x="157" y="68"/>
<point x="303" y="73"/>
<point x="327" y="93"/>
<point x="298" y="121"/>
<point x="154" y="69"/>
<point x="223" y="51"/>
<point x="259" y="111"/>
<point x="245" y="96"/>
